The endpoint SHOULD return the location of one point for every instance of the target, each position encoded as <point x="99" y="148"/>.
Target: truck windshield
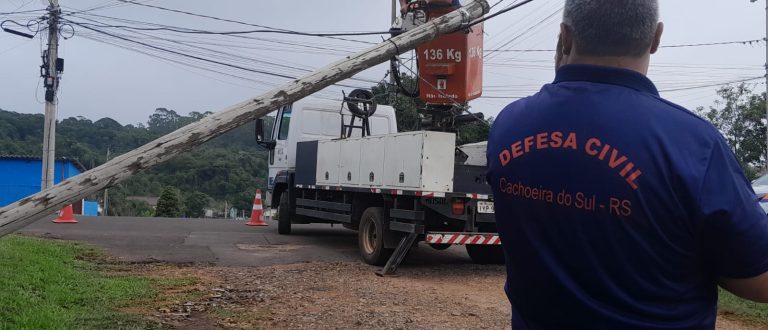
<point x="285" y="122"/>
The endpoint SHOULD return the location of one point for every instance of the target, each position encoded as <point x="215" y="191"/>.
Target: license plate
<point x="485" y="207"/>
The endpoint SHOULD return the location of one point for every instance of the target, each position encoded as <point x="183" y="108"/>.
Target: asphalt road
<point x="224" y="242"/>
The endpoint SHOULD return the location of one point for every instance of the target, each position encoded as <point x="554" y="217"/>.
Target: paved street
<point x="223" y="242"/>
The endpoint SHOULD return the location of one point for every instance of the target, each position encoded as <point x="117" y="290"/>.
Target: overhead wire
<point x="240" y="22"/>
<point x="198" y="57"/>
<point x="738" y="42"/>
<point x="204" y="51"/>
<point x="303" y="44"/>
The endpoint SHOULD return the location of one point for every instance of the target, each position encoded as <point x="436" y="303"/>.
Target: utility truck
<point x="348" y="164"/>
<point x="394" y="188"/>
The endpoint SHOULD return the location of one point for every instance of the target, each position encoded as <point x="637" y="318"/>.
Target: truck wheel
<point x="284" y="215"/>
<point x="371" y="237"/>
<point x="486" y="254"/>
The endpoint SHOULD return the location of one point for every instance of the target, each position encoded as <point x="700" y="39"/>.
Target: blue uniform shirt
<point x="616" y="208"/>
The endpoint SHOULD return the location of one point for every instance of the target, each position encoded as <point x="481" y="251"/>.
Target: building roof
<point x="75" y="162"/>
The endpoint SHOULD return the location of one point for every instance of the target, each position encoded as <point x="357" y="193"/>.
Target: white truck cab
<point x="311" y="120"/>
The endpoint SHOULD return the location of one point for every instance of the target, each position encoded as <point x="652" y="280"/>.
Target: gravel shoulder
<point x="341" y="295"/>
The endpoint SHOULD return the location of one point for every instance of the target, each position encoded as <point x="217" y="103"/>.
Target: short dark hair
<point x="612" y="27"/>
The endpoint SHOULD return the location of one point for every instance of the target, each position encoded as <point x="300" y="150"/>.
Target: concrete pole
<point x="766" y="82"/>
<point x="106" y="193"/>
<point x="394" y="17"/>
<point x="32" y="208"/>
<point x="52" y="84"/>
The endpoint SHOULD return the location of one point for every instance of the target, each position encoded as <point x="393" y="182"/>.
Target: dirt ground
<point x="339" y="295"/>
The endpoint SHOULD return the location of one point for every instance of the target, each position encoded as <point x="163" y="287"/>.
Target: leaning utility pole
<point x="50" y="73"/>
<point x="32" y="208"/>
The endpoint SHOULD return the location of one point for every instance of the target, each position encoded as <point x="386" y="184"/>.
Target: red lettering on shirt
<point x="541" y="141"/>
<point x="557" y="140"/>
<point x="590" y="143"/>
<point x="570" y="142"/>
<point x="505" y="157"/>
<point x="517" y="149"/>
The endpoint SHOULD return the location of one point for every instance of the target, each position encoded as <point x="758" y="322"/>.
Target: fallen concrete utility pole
<point x="23" y="212"/>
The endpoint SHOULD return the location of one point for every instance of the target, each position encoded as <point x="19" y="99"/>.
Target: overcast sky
<point x="102" y="80"/>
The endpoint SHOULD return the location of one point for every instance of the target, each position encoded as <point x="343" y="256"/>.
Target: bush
<point x="169" y="205"/>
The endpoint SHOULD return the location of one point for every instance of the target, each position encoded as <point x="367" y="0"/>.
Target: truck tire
<point x="284" y="215"/>
<point x="486" y="254"/>
<point x="370" y="237"/>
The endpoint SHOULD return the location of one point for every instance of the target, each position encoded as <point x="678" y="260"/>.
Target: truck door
<point x="278" y="157"/>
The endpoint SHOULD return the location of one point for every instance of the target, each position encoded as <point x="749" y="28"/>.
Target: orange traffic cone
<point x="257" y="215"/>
<point x="66" y="215"/>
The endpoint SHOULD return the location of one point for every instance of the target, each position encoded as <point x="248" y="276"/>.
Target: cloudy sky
<point x="114" y="70"/>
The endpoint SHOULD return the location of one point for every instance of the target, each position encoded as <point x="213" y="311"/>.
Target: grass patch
<point x="241" y="318"/>
<point x="743" y="310"/>
<point x="61" y="285"/>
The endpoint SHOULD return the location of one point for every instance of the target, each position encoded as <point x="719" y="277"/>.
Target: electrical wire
<point x="194" y="31"/>
<point x="741" y="42"/>
<point x="286" y="31"/>
<point x="712" y="85"/>
<point x="198" y="57"/>
<point x="500" y="12"/>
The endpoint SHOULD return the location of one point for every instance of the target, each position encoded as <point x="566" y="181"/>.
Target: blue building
<point x="20" y="177"/>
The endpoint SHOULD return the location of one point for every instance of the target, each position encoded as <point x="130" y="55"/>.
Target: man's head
<point x="611" y="30"/>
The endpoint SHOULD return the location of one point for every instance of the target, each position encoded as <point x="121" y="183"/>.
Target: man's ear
<point x="566" y="36"/>
<point x="657" y="38"/>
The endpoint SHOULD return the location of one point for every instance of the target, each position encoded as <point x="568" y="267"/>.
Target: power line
<point x="712" y="85"/>
<point x="224" y="55"/>
<point x="500" y="12"/>
<point x="242" y="23"/>
<point x="22" y="12"/>
<point x="195" y="57"/>
<point x="194" y="31"/>
<point x="282" y="42"/>
<point x="741" y="42"/>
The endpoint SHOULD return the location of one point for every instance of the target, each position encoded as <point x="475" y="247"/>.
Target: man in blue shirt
<point x="618" y="209"/>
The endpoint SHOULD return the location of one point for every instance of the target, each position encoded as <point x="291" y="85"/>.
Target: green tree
<point x="740" y="117"/>
<point x="408" y="118"/>
<point x="169" y="205"/>
<point x="195" y="204"/>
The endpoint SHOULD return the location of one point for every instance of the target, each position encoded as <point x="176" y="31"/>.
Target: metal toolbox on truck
<point x="421" y="161"/>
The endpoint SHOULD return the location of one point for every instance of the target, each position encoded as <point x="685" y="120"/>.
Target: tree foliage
<point x="740" y="117"/>
<point x="169" y="204"/>
<point x="195" y="204"/>
<point x="227" y="168"/>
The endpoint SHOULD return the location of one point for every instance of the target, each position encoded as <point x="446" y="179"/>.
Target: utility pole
<point x="394" y="10"/>
<point x="21" y="213"/>
<point x="394" y="17"/>
<point x="106" y="192"/>
<point x="766" y="83"/>
<point x="50" y="72"/>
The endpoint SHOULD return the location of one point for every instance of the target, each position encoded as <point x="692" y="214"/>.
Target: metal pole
<point x="51" y="81"/>
<point x="394" y="10"/>
<point x="766" y="83"/>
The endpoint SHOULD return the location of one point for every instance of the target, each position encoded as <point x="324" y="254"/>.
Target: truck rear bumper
<point x="462" y="238"/>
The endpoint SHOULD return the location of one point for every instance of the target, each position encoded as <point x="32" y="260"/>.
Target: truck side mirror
<point x="260" y="139"/>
